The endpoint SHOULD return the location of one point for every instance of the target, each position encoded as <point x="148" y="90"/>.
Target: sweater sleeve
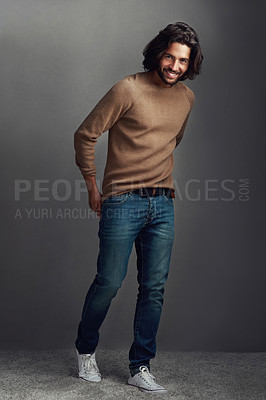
<point x="182" y="130"/>
<point x="104" y="115"/>
<point x="191" y="99"/>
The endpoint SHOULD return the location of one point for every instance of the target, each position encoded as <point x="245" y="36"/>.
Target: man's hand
<point x="95" y="197"/>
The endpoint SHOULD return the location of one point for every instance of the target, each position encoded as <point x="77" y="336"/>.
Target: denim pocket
<point x="169" y="199"/>
<point x="116" y="200"/>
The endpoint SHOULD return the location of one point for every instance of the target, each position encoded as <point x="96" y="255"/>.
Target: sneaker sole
<point x="90" y="380"/>
<point x="148" y="390"/>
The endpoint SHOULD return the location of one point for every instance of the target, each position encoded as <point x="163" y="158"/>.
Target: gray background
<point x="58" y="58"/>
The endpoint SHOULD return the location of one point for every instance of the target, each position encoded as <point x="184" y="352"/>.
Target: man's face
<point x="173" y="63"/>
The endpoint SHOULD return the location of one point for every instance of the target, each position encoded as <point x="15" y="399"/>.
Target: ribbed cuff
<point x="136" y="370"/>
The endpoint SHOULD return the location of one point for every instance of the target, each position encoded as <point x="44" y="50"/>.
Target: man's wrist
<point x="90" y="182"/>
<point x="89" y="177"/>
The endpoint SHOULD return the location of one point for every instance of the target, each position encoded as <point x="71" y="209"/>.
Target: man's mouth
<point x="171" y="74"/>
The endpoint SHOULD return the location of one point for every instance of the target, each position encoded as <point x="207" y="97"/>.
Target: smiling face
<point x="173" y="64"/>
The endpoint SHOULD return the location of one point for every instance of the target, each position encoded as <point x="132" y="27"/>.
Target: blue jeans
<point x="149" y="223"/>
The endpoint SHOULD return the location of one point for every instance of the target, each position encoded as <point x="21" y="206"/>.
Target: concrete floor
<point x="52" y="375"/>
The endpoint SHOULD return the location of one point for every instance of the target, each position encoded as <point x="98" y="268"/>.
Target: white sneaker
<point x="88" y="369"/>
<point x="145" y="381"/>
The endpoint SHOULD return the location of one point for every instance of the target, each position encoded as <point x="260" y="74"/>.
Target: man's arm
<point x="182" y="130"/>
<point x="104" y="115"/>
<point x="191" y="99"/>
<point x="110" y="108"/>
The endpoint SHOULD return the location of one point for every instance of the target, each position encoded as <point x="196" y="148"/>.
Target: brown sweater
<point x="145" y="123"/>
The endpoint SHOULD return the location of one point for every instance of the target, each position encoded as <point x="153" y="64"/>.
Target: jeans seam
<point x="88" y="302"/>
<point x="169" y="199"/>
<point x="91" y="296"/>
<point x="141" y="295"/>
<point x="149" y="216"/>
<point x="94" y="283"/>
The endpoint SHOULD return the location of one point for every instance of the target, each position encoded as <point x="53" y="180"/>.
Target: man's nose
<point x="175" y="65"/>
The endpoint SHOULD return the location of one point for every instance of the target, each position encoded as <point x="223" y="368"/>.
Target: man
<point x="146" y="114"/>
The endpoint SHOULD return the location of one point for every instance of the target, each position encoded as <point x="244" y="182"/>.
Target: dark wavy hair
<point x="179" y="32"/>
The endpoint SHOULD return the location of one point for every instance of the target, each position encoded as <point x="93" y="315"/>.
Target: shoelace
<point x="89" y="363"/>
<point x="147" y="375"/>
